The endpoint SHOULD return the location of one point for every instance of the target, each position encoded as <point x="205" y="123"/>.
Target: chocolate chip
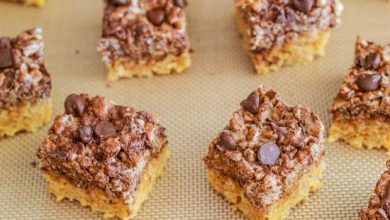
<point x="368" y="82"/>
<point x="85" y="133"/>
<point x="156" y="16"/>
<point x="227" y="141"/>
<point x="251" y="103"/>
<point x="34" y="164"/>
<point x="268" y="153"/>
<point x="5" y="52"/>
<point x="359" y="61"/>
<point x="180" y="3"/>
<point x="105" y="130"/>
<point x="304" y="6"/>
<point x="119" y="2"/>
<point x="372" y="61"/>
<point x="74" y="104"/>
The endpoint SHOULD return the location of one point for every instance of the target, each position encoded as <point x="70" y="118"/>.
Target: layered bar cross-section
<point x="25" y="84"/>
<point x="144" y="38"/>
<point x="279" y="33"/>
<point x="361" y="109"/>
<point x="268" y="158"/>
<point x="106" y="156"/>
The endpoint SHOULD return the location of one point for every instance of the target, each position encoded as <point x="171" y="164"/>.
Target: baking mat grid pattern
<point x="193" y="106"/>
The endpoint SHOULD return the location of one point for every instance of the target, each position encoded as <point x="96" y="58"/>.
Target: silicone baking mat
<point x="193" y="106"/>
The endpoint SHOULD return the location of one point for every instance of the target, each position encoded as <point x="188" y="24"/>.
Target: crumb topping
<point x="23" y="74"/>
<point x="274" y="22"/>
<point x="97" y="143"/>
<point x="267" y="146"/>
<point x="140" y="31"/>
<point x="379" y="203"/>
<point x="365" y="91"/>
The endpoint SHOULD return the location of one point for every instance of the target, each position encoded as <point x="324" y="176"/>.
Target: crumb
<point x="33" y="164"/>
<point x="108" y="85"/>
<point x="77" y="51"/>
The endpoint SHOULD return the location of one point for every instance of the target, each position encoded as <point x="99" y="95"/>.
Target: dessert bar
<point x="279" y="33"/>
<point x="143" y="38"/>
<point x="268" y="158"/>
<point x="25" y="84"/>
<point x="361" y="110"/>
<point x="104" y="155"/>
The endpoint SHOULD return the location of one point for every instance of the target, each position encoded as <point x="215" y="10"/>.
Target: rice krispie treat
<point x="379" y="203"/>
<point x="39" y="3"/>
<point x="145" y="37"/>
<point x="268" y="158"/>
<point x="281" y="33"/>
<point x="105" y="156"/>
<point x="361" y="110"/>
<point x="25" y="84"/>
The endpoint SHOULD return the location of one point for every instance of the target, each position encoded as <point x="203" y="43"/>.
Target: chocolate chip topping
<point x="107" y="147"/>
<point x="365" y="90"/>
<point x="156" y="16"/>
<point x="268" y="153"/>
<point x="180" y="3"/>
<point x="251" y="103"/>
<point x="74" y="104"/>
<point x="304" y="6"/>
<point x="272" y="148"/>
<point x="368" y="82"/>
<point x="86" y="134"/>
<point x="105" y="130"/>
<point x="5" y="52"/>
<point x="372" y="61"/>
<point x="24" y="78"/>
<point x="227" y="141"/>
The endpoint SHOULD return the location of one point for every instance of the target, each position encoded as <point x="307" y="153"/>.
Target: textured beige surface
<point x="193" y="106"/>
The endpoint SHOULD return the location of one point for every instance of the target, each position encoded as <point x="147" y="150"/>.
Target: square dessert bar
<point x="145" y="37"/>
<point x="39" y="3"/>
<point x="379" y="203"/>
<point x="361" y="109"/>
<point x="25" y="85"/>
<point x="281" y="33"/>
<point x="105" y="156"/>
<point x="268" y="158"/>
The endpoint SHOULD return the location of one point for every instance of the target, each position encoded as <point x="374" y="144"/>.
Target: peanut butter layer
<point x="379" y="203"/>
<point x="271" y="23"/>
<point x="267" y="147"/>
<point x="143" y="31"/>
<point x="99" y="144"/>
<point x="23" y="74"/>
<point x="365" y="91"/>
